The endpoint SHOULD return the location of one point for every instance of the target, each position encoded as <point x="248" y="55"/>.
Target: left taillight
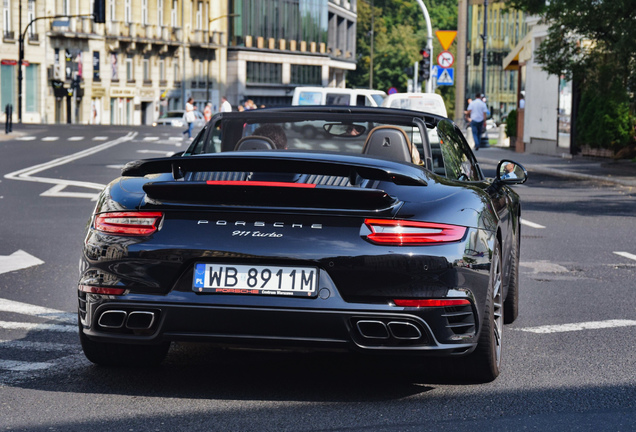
<point x="128" y="223"/>
<point x="392" y="232"/>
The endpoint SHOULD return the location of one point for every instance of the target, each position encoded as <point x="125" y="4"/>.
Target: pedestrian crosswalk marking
<point x="25" y="138"/>
<point x="36" y="346"/>
<point x="21" y="366"/>
<point x="76" y="138"/>
<point x="50" y="138"/>
<point x="10" y="325"/>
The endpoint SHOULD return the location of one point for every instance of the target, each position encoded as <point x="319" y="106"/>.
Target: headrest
<point x="254" y="142"/>
<point x="388" y="142"/>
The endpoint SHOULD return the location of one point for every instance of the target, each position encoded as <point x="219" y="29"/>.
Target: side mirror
<point x="510" y="172"/>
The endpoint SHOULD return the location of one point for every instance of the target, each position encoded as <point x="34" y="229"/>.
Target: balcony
<point x="34" y="38"/>
<point x="149" y="31"/>
<point x="8" y="36"/>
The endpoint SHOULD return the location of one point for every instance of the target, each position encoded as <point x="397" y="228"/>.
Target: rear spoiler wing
<point x="284" y="161"/>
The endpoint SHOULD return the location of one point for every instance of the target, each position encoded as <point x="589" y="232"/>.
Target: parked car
<point x="176" y="118"/>
<point x="337" y="96"/>
<point x="425" y="102"/>
<point x="351" y="242"/>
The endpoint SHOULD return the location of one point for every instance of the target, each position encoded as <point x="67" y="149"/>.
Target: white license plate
<point x="255" y="279"/>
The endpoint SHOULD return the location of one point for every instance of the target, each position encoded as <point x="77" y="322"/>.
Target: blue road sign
<point x="445" y="76"/>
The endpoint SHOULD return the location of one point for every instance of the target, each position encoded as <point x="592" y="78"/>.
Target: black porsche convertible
<point x="378" y="234"/>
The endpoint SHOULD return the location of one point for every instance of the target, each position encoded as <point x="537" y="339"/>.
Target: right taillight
<point x="392" y="232"/>
<point x="128" y="223"/>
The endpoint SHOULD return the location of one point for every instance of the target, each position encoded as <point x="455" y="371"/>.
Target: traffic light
<point x="99" y="11"/>
<point x="425" y="65"/>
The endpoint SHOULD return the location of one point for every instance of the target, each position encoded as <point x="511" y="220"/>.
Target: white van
<point x="337" y="96"/>
<point x="427" y="102"/>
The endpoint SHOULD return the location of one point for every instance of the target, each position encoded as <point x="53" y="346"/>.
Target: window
<point x="144" y="12"/>
<point x="128" y="12"/>
<point x="111" y="9"/>
<point x="304" y="74"/>
<point x="130" y="76"/>
<point x="173" y="14"/>
<point x="199" y="16"/>
<point x="114" y="67"/>
<point x="177" y="74"/>
<point x="66" y="7"/>
<point x="265" y="73"/>
<point x="32" y="87"/>
<point x="31" y="16"/>
<point x="162" y="70"/>
<point x="7" y="85"/>
<point x="160" y="13"/>
<point x="457" y="160"/>
<point x="6" y="16"/>
<point x="146" y="67"/>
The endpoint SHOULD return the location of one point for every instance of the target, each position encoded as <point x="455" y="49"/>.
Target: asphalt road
<point x="568" y="359"/>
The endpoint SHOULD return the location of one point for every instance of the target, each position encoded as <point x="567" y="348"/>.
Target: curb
<point x="569" y="174"/>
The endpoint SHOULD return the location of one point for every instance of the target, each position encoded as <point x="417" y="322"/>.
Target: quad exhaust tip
<point x="135" y="320"/>
<point x="400" y="330"/>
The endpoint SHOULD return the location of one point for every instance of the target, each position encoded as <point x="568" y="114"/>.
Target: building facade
<point x="152" y="55"/>
<point x="277" y="45"/>
<point x="505" y="29"/>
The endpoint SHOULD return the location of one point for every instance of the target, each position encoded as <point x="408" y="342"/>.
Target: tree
<point x="592" y="43"/>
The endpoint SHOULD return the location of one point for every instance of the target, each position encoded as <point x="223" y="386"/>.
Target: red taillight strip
<point x="259" y="183"/>
<point x="401" y="232"/>
<point x="101" y="290"/>
<point x="128" y="223"/>
<point x="430" y="302"/>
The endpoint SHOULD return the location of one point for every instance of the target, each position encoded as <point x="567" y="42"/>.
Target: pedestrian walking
<point x="207" y="112"/>
<point x="476" y="113"/>
<point x="189" y="116"/>
<point x="225" y="105"/>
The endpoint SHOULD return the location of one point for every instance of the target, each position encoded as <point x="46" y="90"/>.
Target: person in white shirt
<point x="477" y="113"/>
<point x="225" y="105"/>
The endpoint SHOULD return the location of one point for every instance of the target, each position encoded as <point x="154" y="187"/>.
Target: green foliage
<point x="400" y="32"/>
<point x="604" y="119"/>
<point x="511" y="123"/>
<point x="585" y="34"/>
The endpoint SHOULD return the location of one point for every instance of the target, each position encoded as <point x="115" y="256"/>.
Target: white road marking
<point x="36" y="346"/>
<point x="626" y="255"/>
<point x="20" y="366"/>
<point x="58" y="191"/>
<point x="25" y="138"/>
<point x="531" y="224"/>
<point x="18" y="260"/>
<point x="100" y="138"/>
<point x="165" y="153"/>
<point x="115" y="166"/>
<point x="50" y="138"/>
<point x="590" y="325"/>
<point x="26" y="174"/>
<point x="76" y="138"/>
<point x="10" y="325"/>
<point x="174" y="138"/>
<point x="151" y="139"/>
<point x="37" y="311"/>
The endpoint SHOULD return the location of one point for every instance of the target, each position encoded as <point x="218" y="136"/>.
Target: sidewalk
<point x="622" y="172"/>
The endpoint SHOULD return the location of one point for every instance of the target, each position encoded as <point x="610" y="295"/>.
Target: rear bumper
<point x="370" y="328"/>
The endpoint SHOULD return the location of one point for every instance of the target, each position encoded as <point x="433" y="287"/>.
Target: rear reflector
<point x="400" y="232"/>
<point x="101" y="290"/>
<point x="128" y="223"/>
<point x="259" y="183"/>
<point x="430" y="302"/>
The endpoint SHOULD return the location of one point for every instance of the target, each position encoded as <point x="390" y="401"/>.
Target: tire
<point x="483" y="364"/>
<point x="122" y="355"/>
<point x="511" y="304"/>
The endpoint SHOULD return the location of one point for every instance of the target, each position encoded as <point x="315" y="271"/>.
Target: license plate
<point x="255" y="279"/>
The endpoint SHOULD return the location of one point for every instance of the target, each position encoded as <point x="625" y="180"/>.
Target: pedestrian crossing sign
<point x="445" y="76"/>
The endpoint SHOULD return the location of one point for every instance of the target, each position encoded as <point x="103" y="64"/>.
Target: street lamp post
<point x="485" y="40"/>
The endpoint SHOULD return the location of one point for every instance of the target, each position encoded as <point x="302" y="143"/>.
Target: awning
<point x="521" y="53"/>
